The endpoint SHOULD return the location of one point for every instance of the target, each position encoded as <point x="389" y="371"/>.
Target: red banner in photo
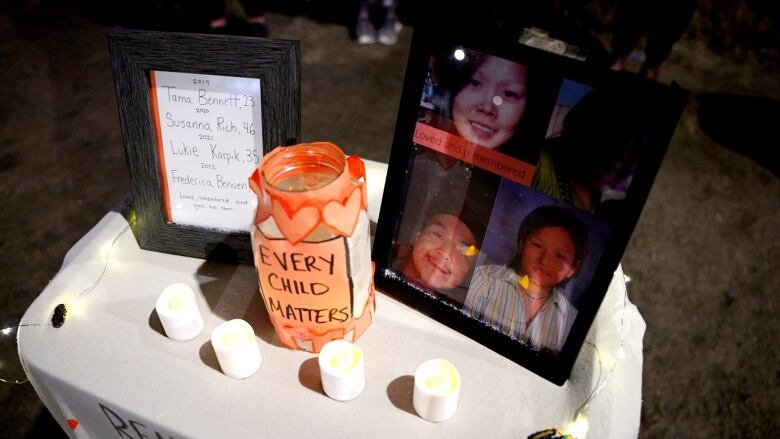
<point x="461" y="149"/>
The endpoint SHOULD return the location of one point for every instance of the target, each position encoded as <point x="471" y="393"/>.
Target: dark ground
<point x="702" y="257"/>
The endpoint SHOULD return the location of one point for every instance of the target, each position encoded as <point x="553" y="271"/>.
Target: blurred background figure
<point x="662" y="21"/>
<point x="385" y="30"/>
<point x="221" y="22"/>
<point x="709" y="230"/>
<point x="593" y="158"/>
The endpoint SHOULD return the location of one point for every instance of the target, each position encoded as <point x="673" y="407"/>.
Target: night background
<point x="702" y="258"/>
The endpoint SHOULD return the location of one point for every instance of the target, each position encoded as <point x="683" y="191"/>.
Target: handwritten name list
<point x="209" y="131"/>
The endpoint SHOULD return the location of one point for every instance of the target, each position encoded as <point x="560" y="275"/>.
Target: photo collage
<point x="516" y="180"/>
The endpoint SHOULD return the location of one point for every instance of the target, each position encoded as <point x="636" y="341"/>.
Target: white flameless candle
<point x="236" y="348"/>
<point x="436" y="389"/>
<point x="179" y="313"/>
<point x="342" y="370"/>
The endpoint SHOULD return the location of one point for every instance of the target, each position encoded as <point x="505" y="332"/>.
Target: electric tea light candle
<point x="436" y="389"/>
<point x="342" y="370"/>
<point x="236" y="348"/>
<point x="179" y="313"/>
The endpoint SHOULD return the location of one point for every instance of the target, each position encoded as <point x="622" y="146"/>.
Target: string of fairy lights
<point x="577" y="428"/>
<point x="60" y="311"/>
<point x="579" y="424"/>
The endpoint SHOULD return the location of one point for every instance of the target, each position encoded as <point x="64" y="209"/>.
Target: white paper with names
<point x="210" y="139"/>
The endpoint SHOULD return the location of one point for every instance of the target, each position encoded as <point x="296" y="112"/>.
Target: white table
<point x="111" y="368"/>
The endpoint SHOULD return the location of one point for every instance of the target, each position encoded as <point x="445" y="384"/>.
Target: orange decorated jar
<point x="311" y="244"/>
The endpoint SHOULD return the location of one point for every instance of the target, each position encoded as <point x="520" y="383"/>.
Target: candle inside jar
<point x="342" y="370"/>
<point x="179" y="313"/>
<point x="436" y="389"/>
<point x="305" y="181"/>
<point x="237" y="351"/>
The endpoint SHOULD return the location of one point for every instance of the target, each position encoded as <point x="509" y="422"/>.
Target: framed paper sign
<point x="198" y="112"/>
<point x="519" y="176"/>
<point x="207" y="130"/>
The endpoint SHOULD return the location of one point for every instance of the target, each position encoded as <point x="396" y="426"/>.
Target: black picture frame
<point x="664" y="107"/>
<point x="133" y="53"/>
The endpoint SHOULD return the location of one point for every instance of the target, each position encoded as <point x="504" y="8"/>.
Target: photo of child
<point x="535" y="264"/>
<point x="517" y="177"/>
<point x="522" y="297"/>
<point x="441" y="256"/>
<point x="442" y="223"/>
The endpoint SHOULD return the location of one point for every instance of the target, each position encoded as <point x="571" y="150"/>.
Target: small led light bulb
<point x="579" y="428"/>
<point x="75" y="307"/>
<point x="107" y="249"/>
<point x="608" y="362"/>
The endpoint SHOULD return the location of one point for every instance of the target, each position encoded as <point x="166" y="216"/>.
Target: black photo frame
<point x="481" y="199"/>
<point x="134" y="54"/>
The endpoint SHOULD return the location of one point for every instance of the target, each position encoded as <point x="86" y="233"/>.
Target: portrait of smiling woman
<point x="489" y="101"/>
<point x="488" y="108"/>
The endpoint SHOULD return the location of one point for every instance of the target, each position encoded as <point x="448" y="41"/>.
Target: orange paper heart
<point x="364" y="197"/>
<point x="358" y="170"/>
<point x="297" y="226"/>
<point x="263" y="210"/>
<point x="73" y="423"/>
<point x="343" y="217"/>
<point x="356" y="166"/>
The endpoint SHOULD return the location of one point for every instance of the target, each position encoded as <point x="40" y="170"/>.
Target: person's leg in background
<point x="630" y="23"/>
<point x="364" y="28"/>
<point x="255" y="17"/>
<point x="216" y="14"/>
<point x="219" y="22"/>
<point x="388" y="32"/>
<point x="669" y="20"/>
